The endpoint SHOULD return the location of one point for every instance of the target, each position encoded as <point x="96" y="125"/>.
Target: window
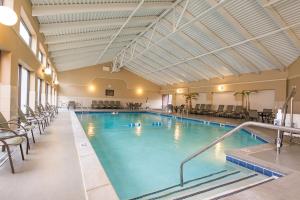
<point x="46" y="93"/>
<point x="39" y="91"/>
<point x="23" y="88"/>
<point x="41" y="57"/>
<point x="25" y="34"/>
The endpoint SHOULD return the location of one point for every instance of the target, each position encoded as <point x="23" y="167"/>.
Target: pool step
<point x="205" y="187"/>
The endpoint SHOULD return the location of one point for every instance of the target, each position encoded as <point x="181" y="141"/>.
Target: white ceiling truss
<point x="168" y="41"/>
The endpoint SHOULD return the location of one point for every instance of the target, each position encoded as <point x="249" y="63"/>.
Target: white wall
<point x="180" y="99"/>
<point x="201" y="99"/>
<point x="225" y="98"/>
<point x="262" y="99"/>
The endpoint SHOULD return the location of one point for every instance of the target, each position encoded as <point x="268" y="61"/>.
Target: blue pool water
<point x="146" y="158"/>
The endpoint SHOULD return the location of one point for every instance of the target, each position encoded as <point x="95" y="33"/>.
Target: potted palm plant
<point x="245" y="94"/>
<point x="188" y="99"/>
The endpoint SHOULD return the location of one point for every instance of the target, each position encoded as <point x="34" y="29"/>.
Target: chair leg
<point x="3" y="148"/>
<point x="32" y="136"/>
<point x="22" y="154"/>
<point x="9" y="157"/>
<point x="28" y="145"/>
<point x="39" y="128"/>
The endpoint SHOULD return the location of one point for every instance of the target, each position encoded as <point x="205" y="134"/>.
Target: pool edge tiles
<point x="254" y="167"/>
<point x="95" y="180"/>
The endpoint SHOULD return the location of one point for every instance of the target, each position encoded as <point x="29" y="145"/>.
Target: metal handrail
<point x="231" y="132"/>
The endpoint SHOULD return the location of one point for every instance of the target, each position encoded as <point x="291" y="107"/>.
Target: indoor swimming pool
<point x="141" y="152"/>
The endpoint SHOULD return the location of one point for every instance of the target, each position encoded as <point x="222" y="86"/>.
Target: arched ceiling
<point x="168" y="41"/>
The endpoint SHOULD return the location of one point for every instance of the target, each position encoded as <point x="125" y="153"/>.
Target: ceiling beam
<point x="54" y="27"/>
<point x="87" y="36"/>
<point x="120" y="30"/>
<point x="72" y="45"/>
<point x="243" y="32"/>
<point x="271" y="2"/>
<point x="163" y="14"/>
<point x="80" y="50"/>
<point x="46" y="10"/>
<point x="277" y="19"/>
<point x="189" y="23"/>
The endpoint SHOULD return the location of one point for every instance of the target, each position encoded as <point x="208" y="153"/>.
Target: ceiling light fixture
<point x="8" y="16"/>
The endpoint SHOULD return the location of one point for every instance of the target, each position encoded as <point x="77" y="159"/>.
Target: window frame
<point x="41" y="56"/>
<point x="39" y="91"/>
<point x="22" y="22"/>
<point x="20" y="68"/>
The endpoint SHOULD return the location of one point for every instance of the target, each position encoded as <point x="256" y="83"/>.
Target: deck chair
<point x="106" y="104"/>
<point x="100" y="105"/>
<point x="238" y="113"/>
<point x="201" y="109"/>
<point x="219" y="110"/>
<point x="228" y="111"/>
<point x="29" y="122"/>
<point x="46" y="115"/>
<point x="111" y="104"/>
<point x="40" y="118"/>
<point x="206" y="110"/>
<point x="94" y="104"/>
<point x="194" y="110"/>
<point x="118" y="104"/>
<point x="9" y="138"/>
<point x="52" y="109"/>
<point x="253" y="115"/>
<point x="47" y="109"/>
<point x="20" y="130"/>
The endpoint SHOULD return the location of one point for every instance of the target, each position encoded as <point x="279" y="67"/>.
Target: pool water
<point x="146" y="157"/>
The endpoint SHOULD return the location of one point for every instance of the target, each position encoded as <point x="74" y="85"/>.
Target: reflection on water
<point x="177" y="132"/>
<point x="219" y="151"/>
<point x="138" y="131"/>
<point x="90" y="130"/>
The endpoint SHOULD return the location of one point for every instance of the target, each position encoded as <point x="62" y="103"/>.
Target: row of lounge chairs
<point x="15" y="132"/>
<point x="134" y="106"/>
<point x="230" y="111"/>
<point x="106" y="104"/>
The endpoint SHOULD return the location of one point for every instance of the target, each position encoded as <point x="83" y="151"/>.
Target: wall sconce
<point x="221" y="88"/>
<point x="91" y="88"/>
<point x="139" y="91"/>
<point x="47" y="71"/>
<point x="179" y="91"/>
<point x="8" y="16"/>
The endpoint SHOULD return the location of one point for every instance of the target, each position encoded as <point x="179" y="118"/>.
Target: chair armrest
<point x="8" y="130"/>
<point x="18" y="124"/>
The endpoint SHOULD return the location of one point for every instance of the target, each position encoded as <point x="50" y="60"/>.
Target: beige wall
<point x="14" y="52"/>
<point x="74" y="85"/>
<point x="268" y="80"/>
<point x="294" y="80"/>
